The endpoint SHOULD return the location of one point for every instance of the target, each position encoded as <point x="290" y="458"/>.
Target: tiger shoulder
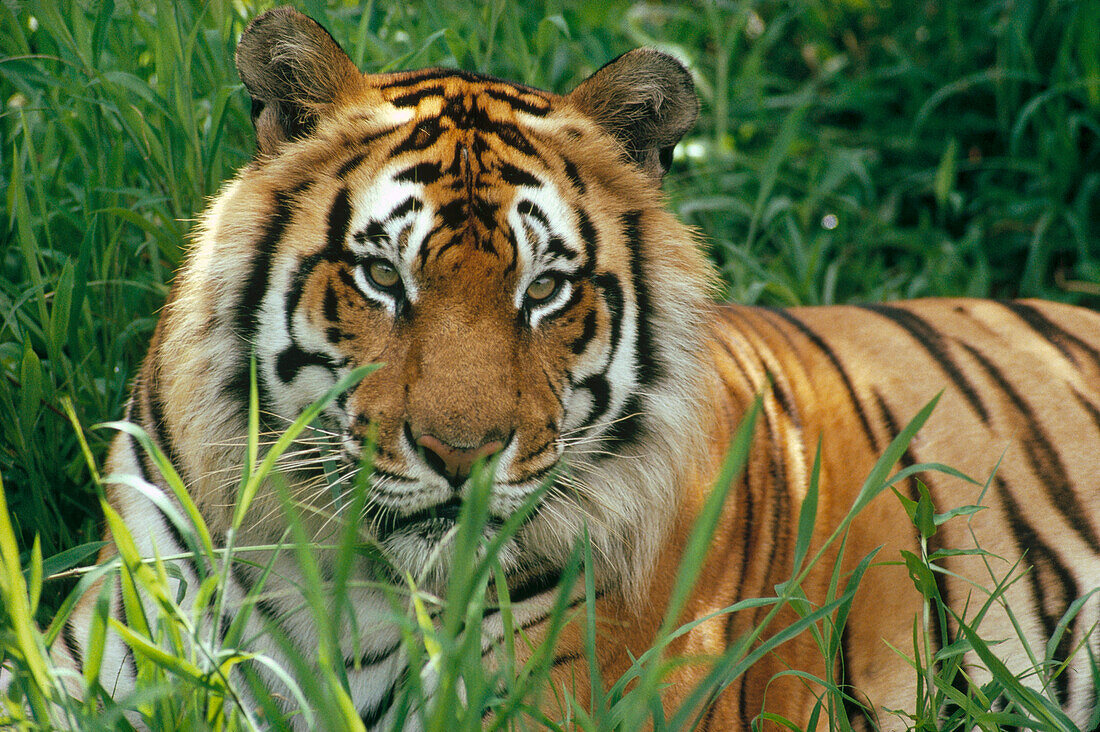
<point x="506" y="253"/>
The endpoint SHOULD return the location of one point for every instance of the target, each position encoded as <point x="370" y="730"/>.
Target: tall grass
<point x="195" y="673"/>
<point x="845" y="151"/>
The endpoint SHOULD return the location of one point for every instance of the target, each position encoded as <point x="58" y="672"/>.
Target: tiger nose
<point x="454" y="463"/>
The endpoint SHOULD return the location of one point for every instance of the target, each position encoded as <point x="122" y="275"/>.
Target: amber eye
<point x="383" y="274"/>
<point x="543" y="288"/>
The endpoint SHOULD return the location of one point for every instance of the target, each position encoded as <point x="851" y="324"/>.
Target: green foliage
<point x="846" y="150"/>
<point x="949" y="696"/>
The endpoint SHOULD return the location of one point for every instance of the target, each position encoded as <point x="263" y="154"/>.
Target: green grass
<point x="191" y="676"/>
<point x="846" y="150"/>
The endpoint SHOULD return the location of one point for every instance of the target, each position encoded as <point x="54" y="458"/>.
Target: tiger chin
<point x="506" y="254"/>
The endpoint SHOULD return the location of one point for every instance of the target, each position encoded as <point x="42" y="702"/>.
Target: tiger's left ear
<point x="294" y="71"/>
<point x="646" y="100"/>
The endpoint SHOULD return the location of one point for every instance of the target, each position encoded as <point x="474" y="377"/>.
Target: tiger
<point x="508" y="257"/>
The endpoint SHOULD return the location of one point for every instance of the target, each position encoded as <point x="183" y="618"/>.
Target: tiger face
<point x="442" y="224"/>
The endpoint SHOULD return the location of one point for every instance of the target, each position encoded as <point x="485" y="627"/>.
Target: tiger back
<point x="506" y="254"/>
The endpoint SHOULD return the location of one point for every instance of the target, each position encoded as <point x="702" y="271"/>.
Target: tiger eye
<point x="383" y="274"/>
<point x="542" y="288"/>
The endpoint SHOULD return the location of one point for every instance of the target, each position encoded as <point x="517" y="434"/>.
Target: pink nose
<point x="455" y="462"/>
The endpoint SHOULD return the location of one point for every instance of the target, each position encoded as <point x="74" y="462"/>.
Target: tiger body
<point x="506" y="254"/>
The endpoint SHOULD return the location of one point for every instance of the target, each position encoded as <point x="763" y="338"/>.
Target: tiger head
<point x="503" y="252"/>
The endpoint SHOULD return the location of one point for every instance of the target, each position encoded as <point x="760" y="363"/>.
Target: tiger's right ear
<point x="293" y="70"/>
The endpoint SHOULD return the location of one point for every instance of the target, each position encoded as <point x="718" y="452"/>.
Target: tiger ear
<point x="293" y="70"/>
<point x="646" y="100"/>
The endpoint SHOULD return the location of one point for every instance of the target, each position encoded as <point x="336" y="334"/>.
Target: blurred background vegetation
<point x="847" y="150"/>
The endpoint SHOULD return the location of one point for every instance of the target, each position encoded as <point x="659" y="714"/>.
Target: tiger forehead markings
<point x="507" y="255"/>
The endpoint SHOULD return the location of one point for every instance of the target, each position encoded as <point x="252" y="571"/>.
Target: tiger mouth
<point x="430" y="522"/>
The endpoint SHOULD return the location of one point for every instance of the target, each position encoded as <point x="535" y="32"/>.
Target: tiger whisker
<point x="606" y="423"/>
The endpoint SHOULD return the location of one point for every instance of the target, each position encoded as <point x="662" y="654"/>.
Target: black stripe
<point x="556" y="246"/>
<point x="515" y="176"/>
<point x="336" y="336"/>
<point x="374" y="714"/>
<point x="778" y="479"/>
<point x="735" y="357"/>
<point x="486" y="212"/>
<point x="512" y="137"/>
<point x="225" y="622"/>
<point x="330" y="304"/>
<point x="934" y="344"/>
<point x="136" y="415"/>
<point x="425" y="173"/>
<point x="241" y="577"/>
<point x="579" y="345"/>
<point x="419" y="76"/>
<point x="374" y="232"/>
<point x="598" y="386"/>
<point x="574" y="298"/>
<point x="409" y="205"/>
<point x="522" y="104"/>
<point x="526" y="207"/>
<point x="785" y="401"/>
<point x="372" y="658"/>
<point x="251" y="296"/>
<point x="512" y="251"/>
<point x="814" y="338"/>
<point x="197" y="563"/>
<point x="1088" y="406"/>
<point x="746" y="506"/>
<point x="413" y="98"/>
<point x="160" y="432"/>
<point x="1052" y="333"/>
<point x="297" y="287"/>
<point x="339" y="215"/>
<point x="893" y="426"/>
<point x="523" y="316"/>
<point x="72" y="646"/>
<point x="857" y="713"/>
<point x="345" y="276"/>
<point x="566" y="658"/>
<point x="574" y="175"/>
<point x="268" y="610"/>
<point x="421" y="137"/>
<point x="371" y="137"/>
<point x="1043" y="457"/>
<point x="591" y="242"/>
<point x="1047" y="576"/>
<point x="455" y="213"/>
<point x="349" y="165"/>
<point x="292" y="359"/>
<point x="646" y="358"/>
<point x="533" y="452"/>
<point x="629" y="425"/>
<point x="536" y="585"/>
<point x="533" y="621"/>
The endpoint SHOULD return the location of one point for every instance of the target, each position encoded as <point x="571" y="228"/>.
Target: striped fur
<point x="624" y="381"/>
